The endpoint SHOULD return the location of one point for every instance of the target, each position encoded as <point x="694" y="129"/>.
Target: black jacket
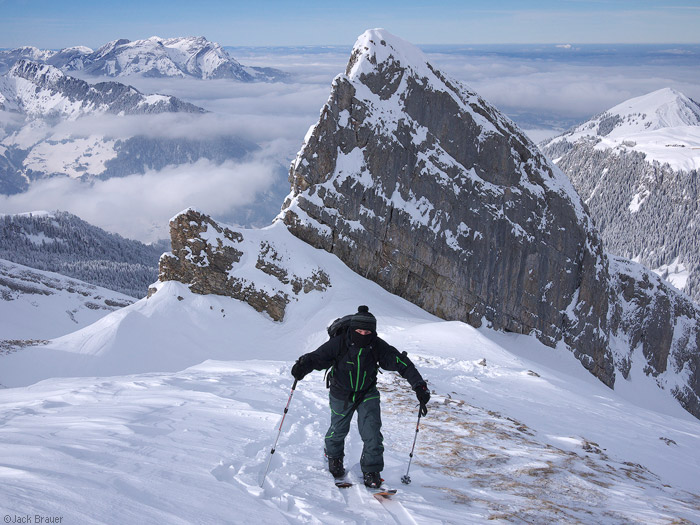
<point x="354" y="371"/>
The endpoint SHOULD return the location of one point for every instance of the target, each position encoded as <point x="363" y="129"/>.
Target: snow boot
<point x="373" y="480"/>
<point x="335" y="466"/>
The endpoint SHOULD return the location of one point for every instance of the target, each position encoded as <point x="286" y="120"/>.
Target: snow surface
<point x="72" y="156"/>
<point x="166" y="410"/>
<point x="36" y="304"/>
<point x="675" y="273"/>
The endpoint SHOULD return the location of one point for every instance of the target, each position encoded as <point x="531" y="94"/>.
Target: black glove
<point x="423" y="395"/>
<point x="301" y="368"/>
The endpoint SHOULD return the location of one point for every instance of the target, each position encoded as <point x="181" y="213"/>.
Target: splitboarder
<point x="352" y="359"/>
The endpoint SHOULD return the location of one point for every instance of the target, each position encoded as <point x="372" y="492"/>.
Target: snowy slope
<point x="664" y="125"/>
<point x="40" y="305"/>
<point x="167" y="434"/>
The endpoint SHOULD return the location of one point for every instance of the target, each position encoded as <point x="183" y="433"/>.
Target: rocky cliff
<point x="243" y="264"/>
<point x="417" y="183"/>
<point x="656" y="329"/>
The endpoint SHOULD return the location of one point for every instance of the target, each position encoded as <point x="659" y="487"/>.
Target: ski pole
<point x="286" y="409"/>
<point x="407" y="479"/>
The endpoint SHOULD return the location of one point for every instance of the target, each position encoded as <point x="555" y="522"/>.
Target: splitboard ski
<point x="382" y="493"/>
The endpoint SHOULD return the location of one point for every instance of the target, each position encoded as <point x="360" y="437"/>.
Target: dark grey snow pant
<point x="369" y="423"/>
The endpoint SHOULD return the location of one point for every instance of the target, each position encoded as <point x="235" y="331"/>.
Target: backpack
<point x="339" y="327"/>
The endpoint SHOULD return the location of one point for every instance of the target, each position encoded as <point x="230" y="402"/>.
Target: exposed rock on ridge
<point x="215" y="259"/>
<point x="652" y="318"/>
<point x="418" y="184"/>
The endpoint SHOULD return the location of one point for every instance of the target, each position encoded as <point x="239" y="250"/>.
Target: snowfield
<point x="36" y="304"/>
<point x="165" y="412"/>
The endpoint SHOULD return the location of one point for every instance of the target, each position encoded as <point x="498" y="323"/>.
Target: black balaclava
<point x="364" y="320"/>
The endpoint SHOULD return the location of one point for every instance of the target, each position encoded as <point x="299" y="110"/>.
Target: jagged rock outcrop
<point x="215" y="259"/>
<point x="418" y="184"/>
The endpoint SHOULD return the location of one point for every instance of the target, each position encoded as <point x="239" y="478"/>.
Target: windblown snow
<point x="166" y="411"/>
<point x="40" y="305"/>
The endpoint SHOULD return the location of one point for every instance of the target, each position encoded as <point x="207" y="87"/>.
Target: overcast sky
<point x="56" y="24"/>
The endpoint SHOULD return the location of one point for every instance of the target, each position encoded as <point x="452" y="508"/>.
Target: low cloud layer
<point x="140" y="206"/>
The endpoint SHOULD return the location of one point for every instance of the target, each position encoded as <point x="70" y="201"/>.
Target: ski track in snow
<point x="190" y="447"/>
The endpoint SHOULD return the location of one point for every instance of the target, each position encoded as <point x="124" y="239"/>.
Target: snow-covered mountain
<point x="515" y="429"/>
<point x="152" y="57"/>
<point x="663" y="125"/>
<point x="63" y="243"/>
<point x="34" y="146"/>
<point x="36" y="305"/>
<point x="9" y="57"/>
<point x="39" y="90"/>
<point x="636" y="167"/>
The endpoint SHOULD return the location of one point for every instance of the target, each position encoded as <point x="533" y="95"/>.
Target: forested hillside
<point x="63" y="243"/>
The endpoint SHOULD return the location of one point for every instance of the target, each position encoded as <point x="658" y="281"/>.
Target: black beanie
<point x="364" y="320"/>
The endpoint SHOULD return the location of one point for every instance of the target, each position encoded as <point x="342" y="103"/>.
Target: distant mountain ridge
<point x="636" y="166"/>
<point x="664" y="125"/>
<point x="63" y="243"/>
<point x="152" y="57"/>
<point x="40" y="90"/>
